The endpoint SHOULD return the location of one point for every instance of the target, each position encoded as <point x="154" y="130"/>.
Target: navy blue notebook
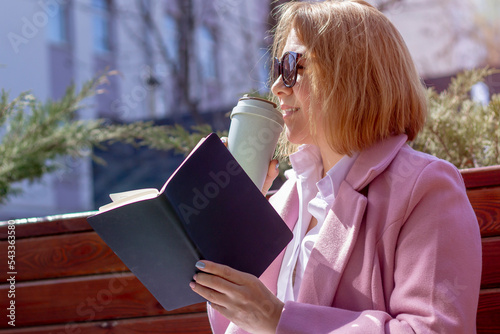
<point x="208" y="209"/>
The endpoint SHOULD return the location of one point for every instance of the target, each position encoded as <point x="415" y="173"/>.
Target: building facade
<point x="165" y="58"/>
<point x="446" y="37"/>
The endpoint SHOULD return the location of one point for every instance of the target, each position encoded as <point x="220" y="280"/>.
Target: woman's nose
<point x="278" y="88"/>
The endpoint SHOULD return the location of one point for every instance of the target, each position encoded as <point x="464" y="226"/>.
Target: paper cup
<point x="255" y="127"/>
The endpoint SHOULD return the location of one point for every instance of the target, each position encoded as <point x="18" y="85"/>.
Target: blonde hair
<point x="360" y="69"/>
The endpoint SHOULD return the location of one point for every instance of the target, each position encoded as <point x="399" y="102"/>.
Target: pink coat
<point x="400" y="251"/>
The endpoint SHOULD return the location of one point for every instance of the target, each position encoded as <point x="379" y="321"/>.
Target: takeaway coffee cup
<point x="255" y="127"/>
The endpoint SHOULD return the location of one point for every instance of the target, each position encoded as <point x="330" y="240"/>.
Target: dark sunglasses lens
<point x="289" y="67"/>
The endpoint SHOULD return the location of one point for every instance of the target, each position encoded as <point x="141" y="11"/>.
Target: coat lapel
<point x="286" y="203"/>
<point x="338" y="235"/>
<point x="333" y="248"/>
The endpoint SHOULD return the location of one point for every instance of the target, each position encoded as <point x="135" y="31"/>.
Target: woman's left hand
<point x="240" y="297"/>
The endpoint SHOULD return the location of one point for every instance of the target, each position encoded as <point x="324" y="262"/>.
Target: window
<point x="489" y="9"/>
<point x="58" y="23"/>
<point x="264" y="69"/>
<point x="480" y="93"/>
<point x="102" y="25"/>
<point x="206" y="52"/>
<point x="171" y="37"/>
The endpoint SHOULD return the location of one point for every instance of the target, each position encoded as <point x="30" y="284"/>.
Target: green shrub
<point x="34" y="135"/>
<point x="460" y="130"/>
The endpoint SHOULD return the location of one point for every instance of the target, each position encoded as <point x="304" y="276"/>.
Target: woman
<point x="385" y="239"/>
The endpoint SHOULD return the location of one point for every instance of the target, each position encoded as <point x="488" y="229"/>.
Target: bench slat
<point x="486" y="204"/>
<point x="86" y="298"/>
<point x="481" y="177"/>
<point x="86" y="254"/>
<point x="35" y="227"/>
<point x="60" y="256"/>
<point x="488" y="311"/>
<point x="491" y="269"/>
<point x="196" y="323"/>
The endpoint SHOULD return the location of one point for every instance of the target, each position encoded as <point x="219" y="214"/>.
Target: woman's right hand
<point x="272" y="172"/>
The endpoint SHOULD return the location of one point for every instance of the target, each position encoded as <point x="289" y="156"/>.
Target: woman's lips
<point x="287" y="111"/>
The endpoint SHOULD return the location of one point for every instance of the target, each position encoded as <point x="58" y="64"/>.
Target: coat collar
<point x="373" y="161"/>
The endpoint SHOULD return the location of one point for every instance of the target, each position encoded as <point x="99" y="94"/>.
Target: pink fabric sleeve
<point x="218" y="322"/>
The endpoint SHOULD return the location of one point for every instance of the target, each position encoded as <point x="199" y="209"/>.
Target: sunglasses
<point x="287" y="68"/>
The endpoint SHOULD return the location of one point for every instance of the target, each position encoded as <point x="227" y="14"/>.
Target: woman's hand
<point x="272" y="172"/>
<point x="240" y="297"/>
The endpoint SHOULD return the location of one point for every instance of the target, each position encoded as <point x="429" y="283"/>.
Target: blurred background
<point x="187" y="62"/>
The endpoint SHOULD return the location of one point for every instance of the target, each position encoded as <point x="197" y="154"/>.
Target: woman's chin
<point x="296" y="138"/>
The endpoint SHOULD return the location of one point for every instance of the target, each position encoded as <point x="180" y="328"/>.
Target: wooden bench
<point x="68" y="281"/>
<point x="483" y="189"/>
